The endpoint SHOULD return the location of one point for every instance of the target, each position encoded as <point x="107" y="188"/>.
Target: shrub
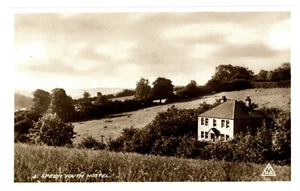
<point x="166" y="146"/>
<point x="190" y="147"/>
<point x="91" y="143"/>
<point x="24" y="121"/>
<point x="52" y="131"/>
<point x="174" y="133"/>
<point x="123" y="142"/>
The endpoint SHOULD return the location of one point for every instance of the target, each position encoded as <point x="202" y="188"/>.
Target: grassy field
<point x="49" y="164"/>
<point x="112" y="127"/>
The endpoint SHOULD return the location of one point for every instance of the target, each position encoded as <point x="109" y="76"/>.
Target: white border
<point x="138" y="6"/>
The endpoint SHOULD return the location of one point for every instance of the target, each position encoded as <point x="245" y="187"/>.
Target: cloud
<point x="106" y="49"/>
<point x="254" y="50"/>
<point x="117" y="51"/>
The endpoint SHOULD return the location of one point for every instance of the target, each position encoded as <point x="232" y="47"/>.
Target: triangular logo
<point x="268" y="171"/>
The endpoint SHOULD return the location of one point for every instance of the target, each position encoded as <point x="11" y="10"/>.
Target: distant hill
<point x="22" y="101"/>
<point x="74" y="93"/>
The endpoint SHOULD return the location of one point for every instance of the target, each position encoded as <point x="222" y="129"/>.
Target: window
<point x="222" y="123"/>
<point x="222" y="137"/>
<point x="202" y="134"/>
<point x="202" y="121"/>
<point x="206" y="135"/>
<point x="206" y="121"/>
<point x="212" y="137"/>
<point x="227" y="123"/>
<point x="214" y="122"/>
<point x="227" y="137"/>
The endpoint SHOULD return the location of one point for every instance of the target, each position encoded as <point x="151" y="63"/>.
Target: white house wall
<point x="223" y="130"/>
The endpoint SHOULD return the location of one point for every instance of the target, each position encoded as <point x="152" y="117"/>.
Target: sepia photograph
<point x="152" y="96"/>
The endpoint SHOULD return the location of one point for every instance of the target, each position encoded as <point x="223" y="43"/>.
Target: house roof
<point x="232" y="109"/>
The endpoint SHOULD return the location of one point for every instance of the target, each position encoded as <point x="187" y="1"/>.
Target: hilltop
<point x="112" y="126"/>
<point x="74" y="93"/>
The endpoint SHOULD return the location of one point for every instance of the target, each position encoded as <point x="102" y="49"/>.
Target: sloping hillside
<point x="22" y="101"/>
<point x="112" y="127"/>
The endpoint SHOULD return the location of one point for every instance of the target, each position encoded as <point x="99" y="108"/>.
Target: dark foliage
<point x="162" y="88"/>
<point x="62" y="105"/>
<point x="41" y="100"/>
<point x="24" y="121"/>
<point x="52" y="131"/>
<point x="91" y="143"/>
<point x="266" y="85"/>
<point x="125" y="92"/>
<point x="174" y="133"/>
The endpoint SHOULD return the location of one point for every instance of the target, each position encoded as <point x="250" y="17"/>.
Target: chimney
<point x="223" y="99"/>
<point x="248" y="101"/>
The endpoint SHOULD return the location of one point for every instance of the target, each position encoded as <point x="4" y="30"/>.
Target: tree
<point x="86" y="95"/>
<point x="143" y="90"/>
<point x="229" y="73"/>
<point x="101" y="99"/>
<point x="162" y="88"/>
<point x="282" y="73"/>
<point x="52" y="131"/>
<point x="262" y="75"/>
<point x="85" y="105"/>
<point x="191" y="90"/>
<point x="24" y="121"/>
<point x="125" y="92"/>
<point x="41" y="101"/>
<point x="61" y="104"/>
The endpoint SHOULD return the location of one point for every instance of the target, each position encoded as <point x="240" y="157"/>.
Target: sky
<point x="114" y="50"/>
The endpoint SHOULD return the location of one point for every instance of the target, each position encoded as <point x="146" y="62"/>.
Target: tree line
<point x="171" y="133"/>
<point x="226" y="78"/>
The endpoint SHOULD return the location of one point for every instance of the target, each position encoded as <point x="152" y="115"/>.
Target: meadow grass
<point x="50" y="164"/>
<point x="112" y="127"/>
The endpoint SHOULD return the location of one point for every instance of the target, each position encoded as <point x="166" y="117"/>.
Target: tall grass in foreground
<point x="49" y="164"/>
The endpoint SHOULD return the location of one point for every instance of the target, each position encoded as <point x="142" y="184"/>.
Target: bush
<point x="52" y="131"/>
<point x="24" y="121"/>
<point x="166" y="146"/>
<point x="91" y="143"/>
<point x="170" y="132"/>
<point x="190" y="147"/>
<point x="279" y="84"/>
<point x="125" y="92"/>
<point x="174" y="133"/>
<point x="123" y="142"/>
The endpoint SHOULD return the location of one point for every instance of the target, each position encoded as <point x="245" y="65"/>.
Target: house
<point x="226" y="120"/>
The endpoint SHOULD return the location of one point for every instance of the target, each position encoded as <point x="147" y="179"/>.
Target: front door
<point x="212" y="137"/>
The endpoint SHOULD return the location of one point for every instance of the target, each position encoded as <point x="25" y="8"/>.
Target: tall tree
<point x="190" y="90"/>
<point x="41" y="100"/>
<point x="162" y="88"/>
<point x="229" y="73"/>
<point x="61" y="104"/>
<point x="143" y="89"/>
<point x="101" y="99"/>
<point x="262" y="75"/>
<point x="85" y="104"/>
<point x="86" y="95"/>
<point x="282" y="73"/>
